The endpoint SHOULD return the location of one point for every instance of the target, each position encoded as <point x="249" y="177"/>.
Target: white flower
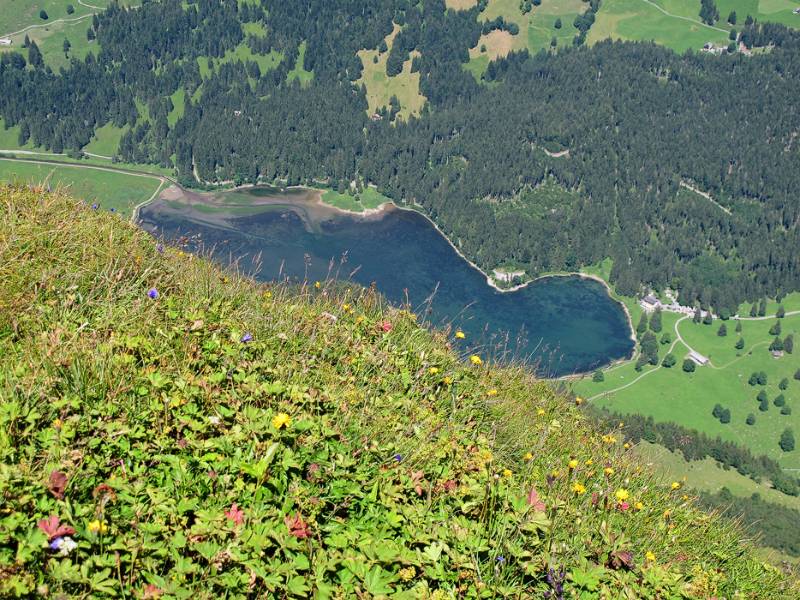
<point x="213" y="420"/>
<point x="67" y="545"/>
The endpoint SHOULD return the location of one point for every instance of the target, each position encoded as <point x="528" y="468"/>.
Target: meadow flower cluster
<point x="221" y="439"/>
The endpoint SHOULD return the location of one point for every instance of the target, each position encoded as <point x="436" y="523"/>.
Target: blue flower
<point x="160" y="248"/>
<point x="152" y="293"/>
<point x="113" y="209"/>
<point x="247" y="337"/>
<point x="95" y="206"/>
<point x="501" y="559"/>
<point x="56" y="543"/>
<point x="398" y="457"/>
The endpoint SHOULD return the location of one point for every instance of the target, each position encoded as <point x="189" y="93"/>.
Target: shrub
<point x="688" y="365"/>
<point x="722" y="331"/>
<point x="783" y="384"/>
<point x="669" y="360"/>
<point x="787" y="440"/>
<point x="740" y="345"/>
<point x="598" y="376"/>
<point x="779" y="400"/>
<point x="43" y="15"/>
<point x="786" y="410"/>
<point x="751" y="419"/>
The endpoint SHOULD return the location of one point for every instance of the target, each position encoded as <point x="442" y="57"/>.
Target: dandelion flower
<point x="97" y="526"/>
<point x="578" y="400"/>
<point x="475" y="360"/>
<point x="507" y="473"/>
<point x="649" y="556"/>
<point x="345" y="307"/>
<point x="555" y="473"/>
<point x="528" y="456"/>
<point x="448" y="380"/>
<point x="676" y="485"/>
<point x="573" y="464"/>
<point x="58" y="424"/>
<point x="638" y="506"/>
<point x="540" y="411"/>
<point x="491" y="392"/>
<point x="578" y="488"/>
<point x="626" y="445"/>
<point x="317" y="284"/>
<point x="433" y="370"/>
<point x="460" y="335"/>
<point x="281" y="420"/>
<point x="589" y="462"/>
<point x="608" y="471"/>
<point x="622" y="494"/>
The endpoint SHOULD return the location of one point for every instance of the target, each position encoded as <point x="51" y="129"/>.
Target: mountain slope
<point x="169" y="430"/>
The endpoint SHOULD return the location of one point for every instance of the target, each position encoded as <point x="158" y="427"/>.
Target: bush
<point x="598" y="376"/>
<point x="775" y="329"/>
<point x="689" y="366"/>
<point x="740" y="344"/>
<point x="722" y="331"/>
<point x="786" y="410"/>
<point x="70" y="9"/>
<point x="783" y="384"/>
<point x="717" y="411"/>
<point x="666" y="338"/>
<point x="43" y="15"/>
<point x="779" y="400"/>
<point x="669" y="360"/>
<point x="762" y="396"/>
<point x="751" y="419"/>
<point x="725" y="417"/>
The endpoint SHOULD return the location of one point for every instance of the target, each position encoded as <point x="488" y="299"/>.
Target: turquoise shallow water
<point x="561" y="325"/>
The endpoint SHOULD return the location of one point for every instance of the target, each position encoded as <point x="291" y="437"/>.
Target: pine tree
<point x="739" y="344"/>
<point x="751" y="419"/>
<point x="722" y="331"/>
<point x="738" y="326"/>
<point x="642" y="326"/>
<point x="655" y="321"/>
<point x="781" y="312"/>
<point x="788" y="344"/>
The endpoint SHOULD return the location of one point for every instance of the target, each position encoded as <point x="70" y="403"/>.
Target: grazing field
<point x="106" y="140"/>
<point x="118" y="191"/>
<point x="369" y="198"/>
<point x="381" y="87"/>
<point x="19" y="14"/>
<point x="50" y="40"/>
<point x="460" y="4"/>
<point x="242" y="53"/>
<point x="707" y="475"/>
<point x="299" y="73"/>
<point x="670" y="394"/>
<point x="775" y="11"/>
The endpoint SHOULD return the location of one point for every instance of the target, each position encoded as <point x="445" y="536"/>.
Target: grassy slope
<point x="367" y="199"/>
<point x="381" y="87"/>
<point x="110" y="190"/>
<point x="161" y="419"/>
<point x="299" y="72"/>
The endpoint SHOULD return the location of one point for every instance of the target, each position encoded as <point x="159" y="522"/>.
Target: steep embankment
<point x="168" y="430"/>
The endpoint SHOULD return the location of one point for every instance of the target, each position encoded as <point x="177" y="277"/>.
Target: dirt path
<point x="695" y="21"/>
<point x="705" y="195"/>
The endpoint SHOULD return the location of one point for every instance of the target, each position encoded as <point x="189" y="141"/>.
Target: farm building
<point x="5" y="41"/>
<point x="698" y="358"/>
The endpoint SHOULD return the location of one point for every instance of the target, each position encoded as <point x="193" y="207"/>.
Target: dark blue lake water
<point x="562" y="325"/>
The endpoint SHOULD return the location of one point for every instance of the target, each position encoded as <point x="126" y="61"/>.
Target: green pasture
<point x="369" y="198"/>
<point x="119" y="191"/>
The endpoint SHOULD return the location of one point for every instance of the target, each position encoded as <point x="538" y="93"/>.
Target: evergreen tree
<point x="797" y="375"/>
<point x="775" y="329"/>
<point x="708" y="12"/>
<point x="781" y="312"/>
<point x="557" y="24"/>
<point x="784" y="384"/>
<point x="762" y="308"/>
<point x="751" y="419"/>
<point x="762" y="396"/>
<point x="779" y="400"/>
<point x="642" y="326"/>
<point x="707" y="318"/>
<point x="776" y="345"/>
<point x="738" y="326"/>
<point x="598" y="376"/>
<point x="43" y="15"/>
<point x="666" y="338"/>
<point x="722" y="331"/>
<point x="66" y="46"/>
<point x="786" y="410"/>
<point x="717" y="411"/>
<point x="70" y="9"/>
<point x="788" y="344"/>
<point x="725" y="417"/>
<point x="753" y="310"/>
<point x="655" y="321"/>
<point x="732" y="17"/>
<point x="669" y="360"/>
<point x="787" y="440"/>
<point x="739" y="343"/>
<point x="688" y="365"/>
<point x="698" y="315"/>
<point x="35" y="56"/>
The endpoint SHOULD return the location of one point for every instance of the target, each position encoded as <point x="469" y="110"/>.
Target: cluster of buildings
<point x="651" y="303"/>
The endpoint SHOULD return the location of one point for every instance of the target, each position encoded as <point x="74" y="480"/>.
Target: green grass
<point x="242" y="53"/>
<point x="775" y="11"/>
<point x="50" y="40"/>
<point x="299" y="73"/>
<point x="106" y="140"/>
<point x="9" y="138"/>
<point x="187" y="461"/>
<point x="369" y="198"/>
<point x="688" y="399"/>
<point x="18" y="14"/>
<point x="178" y="104"/>
<point x="381" y="87"/>
<point x="119" y="191"/>
<point x="707" y="475"/>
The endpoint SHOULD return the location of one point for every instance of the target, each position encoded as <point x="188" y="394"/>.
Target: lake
<point x="561" y="325"/>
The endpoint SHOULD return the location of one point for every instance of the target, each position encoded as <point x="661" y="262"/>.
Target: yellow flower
<point x="608" y="471"/>
<point x="507" y="473"/>
<point x="448" y="380"/>
<point x="491" y="392"/>
<point x="685" y="497"/>
<point x="555" y="473"/>
<point x="475" y="360"/>
<point x="486" y="455"/>
<point x="407" y="574"/>
<point x="460" y="335"/>
<point x="540" y="411"/>
<point x="667" y="514"/>
<point x="345" y="307"/>
<point x="58" y="424"/>
<point x="578" y="488"/>
<point x="676" y="485"/>
<point x="622" y="494"/>
<point x="626" y="445"/>
<point x="281" y="420"/>
<point x="578" y="400"/>
<point x="589" y="462"/>
<point x="573" y="464"/>
<point x="528" y="456"/>
<point x="638" y="506"/>
<point x="267" y="295"/>
<point x="433" y="370"/>
<point x="609" y="439"/>
<point x="97" y="526"/>
<point x="649" y="556"/>
<point x="317" y="284"/>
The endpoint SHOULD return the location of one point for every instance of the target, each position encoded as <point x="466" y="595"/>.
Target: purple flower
<point x="247" y="337"/>
<point x="398" y="457"/>
<point x="113" y="209"/>
<point x="160" y="248"/>
<point x="152" y="293"/>
<point x="95" y="206"/>
<point x="501" y="559"/>
<point x="56" y="543"/>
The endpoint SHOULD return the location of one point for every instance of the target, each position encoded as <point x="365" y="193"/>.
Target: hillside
<point x="171" y="430"/>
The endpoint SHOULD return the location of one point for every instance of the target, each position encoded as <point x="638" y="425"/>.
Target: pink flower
<point x="385" y="326"/>
<point x="235" y="514"/>
<point x="53" y="528"/>
<point x="297" y="527"/>
<point x="623" y="506"/>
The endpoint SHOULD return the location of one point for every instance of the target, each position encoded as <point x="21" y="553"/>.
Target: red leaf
<point x="235" y="514"/>
<point x="535" y="501"/>
<point x="57" y="484"/>
<point x="297" y="527"/>
<point x="53" y="528"/>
